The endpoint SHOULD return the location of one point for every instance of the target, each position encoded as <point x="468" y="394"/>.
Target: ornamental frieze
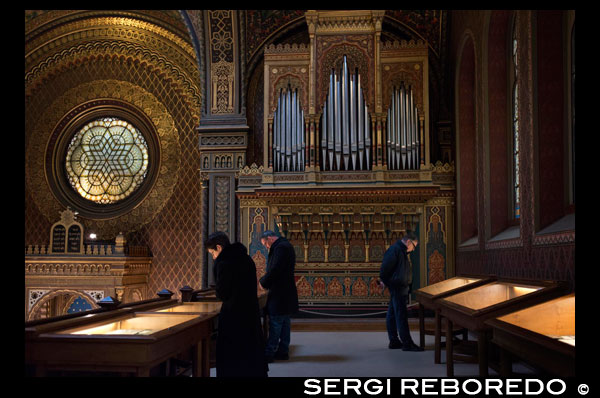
<point x="121" y="52"/>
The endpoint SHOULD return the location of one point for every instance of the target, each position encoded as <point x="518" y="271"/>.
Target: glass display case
<point x="194" y="307"/>
<point x="126" y="343"/>
<point x="132" y="325"/>
<point x="489" y="295"/>
<point x="471" y="308"/>
<point x="452" y="285"/>
<point x="542" y="335"/>
<point x="428" y="297"/>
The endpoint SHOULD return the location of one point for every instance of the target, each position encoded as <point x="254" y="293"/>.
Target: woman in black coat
<point x="240" y="342"/>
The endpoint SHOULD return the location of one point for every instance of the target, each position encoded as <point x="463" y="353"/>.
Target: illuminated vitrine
<point x="471" y="308"/>
<point x="428" y="297"/>
<point x="542" y="335"/>
<point x="124" y="343"/>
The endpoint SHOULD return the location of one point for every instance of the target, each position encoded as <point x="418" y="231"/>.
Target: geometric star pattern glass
<point x="107" y="160"/>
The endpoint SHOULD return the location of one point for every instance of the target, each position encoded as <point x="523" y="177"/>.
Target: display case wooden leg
<point x="438" y="337"/>
<point x="482" y="352"/>
<point x="201" y="359"/>
<point x="205" y="358"/>
<point x="449" y="349"/>
<point x="421" y="325"/>
<point x="197" y="360"/>
<point x="505" y="363"/>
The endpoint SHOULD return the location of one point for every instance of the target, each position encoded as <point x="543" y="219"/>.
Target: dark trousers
<point x="396" y="319"/>
<point x="279" y="335"/>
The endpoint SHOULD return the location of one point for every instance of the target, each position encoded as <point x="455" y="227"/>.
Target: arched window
<point x="515" y="124"/>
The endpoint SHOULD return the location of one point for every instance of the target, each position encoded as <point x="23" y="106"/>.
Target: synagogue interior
<point x="340" y="130"/>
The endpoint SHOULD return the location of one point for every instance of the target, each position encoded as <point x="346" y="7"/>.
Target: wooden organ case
<point x="346" y="162"/>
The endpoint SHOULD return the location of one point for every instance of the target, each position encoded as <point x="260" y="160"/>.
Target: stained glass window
<point x="515" y="127"/>
<point x="107" y="160"/>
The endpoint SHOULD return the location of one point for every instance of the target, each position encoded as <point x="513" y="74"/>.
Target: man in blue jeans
<point x="396" y="274"/>
<point x="282" y="299"/>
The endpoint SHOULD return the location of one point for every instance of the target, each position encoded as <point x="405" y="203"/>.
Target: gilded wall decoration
<point x="222" y="65"/>
<point x="262" y="24"/>
<point x="409" y="73"/>
<point x="358" y="50"/>
<point x="296" y="77"/>
<point x="258" y="223"/>
<point x="435" y="217"/>
<point x="222" y="203"/>
<point x="260" y="261"/>
<point x="107" y="38"/>
<point x="39" y="149"/>
<point x="428" y="24"/>
<point x="337" y="289"/>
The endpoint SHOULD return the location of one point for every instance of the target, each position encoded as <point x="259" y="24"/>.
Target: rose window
<point x="107" y="160"/>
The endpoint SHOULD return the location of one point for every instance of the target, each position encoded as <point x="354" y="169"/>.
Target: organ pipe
<point x="288" y="132"/>
<point x="403" y="130"/>
<point x="345" y="127"/>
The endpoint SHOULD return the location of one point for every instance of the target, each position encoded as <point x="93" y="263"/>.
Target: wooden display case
<point x="542" y="335"/>
<point x="126" y="343"/>
<point x="428" y="297"/>
<point x="193" y="308"/>
<point x="209" y="295"/>
<point x="471" y="308"/>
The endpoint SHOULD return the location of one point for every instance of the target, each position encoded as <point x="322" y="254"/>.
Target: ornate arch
<point x="35" y="309"/>
<point x="41" y="148"/>
<point x="330" y="56"/>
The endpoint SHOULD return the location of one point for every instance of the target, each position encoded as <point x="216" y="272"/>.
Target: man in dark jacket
<point x="282" y="299"/>
<point x="396" y="274"/>
<point x="240" y="342"/>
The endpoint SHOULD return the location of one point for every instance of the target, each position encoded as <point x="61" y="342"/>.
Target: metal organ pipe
<point x="345" y="124"/>
<point x="338" y="123"/>
<point x="403" y="130"/>
<point x="288" y="132"/>
<point x="345" y="127"/>
<point x="410" y="128"/>
<point x="330" y="138"/>
<point x="401" y="117"/>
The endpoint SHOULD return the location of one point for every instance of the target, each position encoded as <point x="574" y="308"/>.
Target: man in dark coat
<point x="240" y="342"/>
<point x="396" y="274"/>
<point x="282" y="299"/>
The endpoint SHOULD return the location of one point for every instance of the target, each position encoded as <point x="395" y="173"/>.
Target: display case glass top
<point x="194" y="307"/>
<point x="554" y="319"/>
<point x="491" y="294"/>
<point x="448" y="284"/>
<point x="134" y="325"/>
